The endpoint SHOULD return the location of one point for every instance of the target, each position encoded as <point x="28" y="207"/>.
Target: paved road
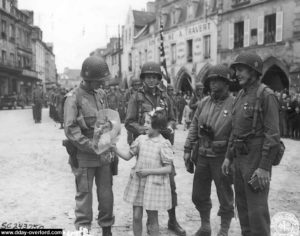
<point x="37" y="186"/>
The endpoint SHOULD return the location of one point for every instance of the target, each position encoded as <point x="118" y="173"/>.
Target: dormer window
<point x="175" y="15"/>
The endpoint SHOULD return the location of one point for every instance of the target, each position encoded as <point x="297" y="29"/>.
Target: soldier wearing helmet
<point x="150" y="97"/>
<point x="210" y="130"/>
<point x="253" y="144"/>
<point x="135" y="86"/>
<point x="197" y="96"/>
<point x="80" y="110"/>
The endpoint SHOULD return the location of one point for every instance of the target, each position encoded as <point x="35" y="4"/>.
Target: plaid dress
<point x="152" y="192"/>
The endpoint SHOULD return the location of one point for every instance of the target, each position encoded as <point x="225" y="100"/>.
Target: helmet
<point x="95" y="69"/>
<point x="135" y="82"/>
<point x="251" y="60"/>
<point x="199" y="85"/>
<point x="170" y="87"/>
<point x="151" y="68"/>
<point x="219" y="70"/>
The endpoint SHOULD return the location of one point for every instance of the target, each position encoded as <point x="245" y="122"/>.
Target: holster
<point x="72" y="151"/>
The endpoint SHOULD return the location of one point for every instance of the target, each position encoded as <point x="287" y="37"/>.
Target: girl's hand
<point x="142" y="173"/>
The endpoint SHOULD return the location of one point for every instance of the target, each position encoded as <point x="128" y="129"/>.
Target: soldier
<point x="122" y="105"/>
<point x="112" y="98"/>
<point x="37" y="98"/>
<point x="180" y="106"/>
<point x="150" y="97"/>
<point x="60" y="99"/>
<point x="170" y="91"/>
<point x="80" y="110"/>
<point x="211" y="128"/>
<point x="253" y="144"/>
<point x="197" y="96"/>
<point x="135" y="86"/>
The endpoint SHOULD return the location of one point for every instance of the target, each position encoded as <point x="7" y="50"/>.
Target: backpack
<point x="258" y="111"/>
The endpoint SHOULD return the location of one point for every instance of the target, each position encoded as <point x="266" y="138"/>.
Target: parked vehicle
<point x="11" y="102"/>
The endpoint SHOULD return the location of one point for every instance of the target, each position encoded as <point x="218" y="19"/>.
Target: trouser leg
<point x="105" y="196"/>
<point x="202" y="186"/>
<point x="84" y="197"/>
<point x="258" y="211"/>
<point x="241" y="200"/>
<point x="224" y="188"/>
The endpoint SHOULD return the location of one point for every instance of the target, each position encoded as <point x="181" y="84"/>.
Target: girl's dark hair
<point x="159" y="120"/>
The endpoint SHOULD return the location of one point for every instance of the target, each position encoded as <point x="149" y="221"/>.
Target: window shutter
<point x="260" y="30"/>
<point x="231" y="36"/>
<point x="246" y="32"/>
<point x="279" y="26"/>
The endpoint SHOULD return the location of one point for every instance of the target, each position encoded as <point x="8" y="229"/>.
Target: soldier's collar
<point x="85" y="88"/>
<point x="251" y="87"/>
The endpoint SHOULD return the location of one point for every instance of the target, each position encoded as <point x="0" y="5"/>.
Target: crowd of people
<point x="289" y="115"/>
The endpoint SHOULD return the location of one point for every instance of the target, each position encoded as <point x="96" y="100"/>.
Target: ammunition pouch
<point x="72" y="151"/>
<point x="219" y="146"/>
<point x="207" y="131"/>
<point x="241" y="146"/>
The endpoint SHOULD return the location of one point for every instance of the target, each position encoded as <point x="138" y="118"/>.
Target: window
<point x="3" y="56"/>
<point x="207" y="47"/>
<point x="19" y="61"/>
<point x="173" y="17"/>
<point x="12" y="59"/>
<point x="190" y="50"/>
<point x="3" y="29"/>
<point x="253" y="37"/>
<point x="4" y="4"/>
<point x="270" y="28"/>
<point x="130" y="62"/>
<point x="239" y="34"/>
<point x="173" y="53"/>
<point x="190" y="12"/>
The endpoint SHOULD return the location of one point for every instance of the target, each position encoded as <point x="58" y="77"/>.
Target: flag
<point x="163" y="63"/>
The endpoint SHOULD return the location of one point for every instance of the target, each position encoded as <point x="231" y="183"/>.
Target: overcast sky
<point x="77" y="27"/>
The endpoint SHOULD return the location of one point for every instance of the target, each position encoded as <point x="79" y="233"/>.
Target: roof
<point x="142" y="18"/>
<point x="71" y="73"/>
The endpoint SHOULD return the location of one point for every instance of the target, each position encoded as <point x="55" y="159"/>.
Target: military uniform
<point x="80" y="112"/>
<point x="215" y="113"/>
<point x="251" y="151"/>
<point x="37" y="98"/>
<point x="113" y="100"/>
<point x="142" y="102"/>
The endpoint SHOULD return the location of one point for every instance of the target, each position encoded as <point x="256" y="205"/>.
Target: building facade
<point x="70" y="78"/>
<point x="269" y="28"/>
<point x="190" y="39"/>
<point x="51" y="77"/>
<point x="22" y="57"/>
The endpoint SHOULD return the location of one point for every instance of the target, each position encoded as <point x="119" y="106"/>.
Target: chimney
<point x="151" y="7"/>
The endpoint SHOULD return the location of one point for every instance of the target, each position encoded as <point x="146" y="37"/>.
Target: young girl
<point x="149" y="184"/>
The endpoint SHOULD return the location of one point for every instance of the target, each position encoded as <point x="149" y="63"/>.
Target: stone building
<point x="22" y="57"/>
<point x="190" y="39"/>
<point x="269" y="28"/>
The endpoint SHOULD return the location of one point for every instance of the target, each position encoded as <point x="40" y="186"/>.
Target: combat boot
<point x="173" y="224"/>
<point x="205" y="229"/>
<point x="106" y="231"/>
<point x="225" y="224"/>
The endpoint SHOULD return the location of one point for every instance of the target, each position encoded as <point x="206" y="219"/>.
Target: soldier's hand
<point x="226" y="166"/>
<point x="263" y="177"/>
<point x="186" y="156"/>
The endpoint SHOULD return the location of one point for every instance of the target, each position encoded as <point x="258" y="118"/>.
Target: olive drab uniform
<point x="211" y="154"/>
<point x="37" y="98"/>
<point x="141" y="103"/>
<point x="251" y="151"/>
<point x="81" y="107"/>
